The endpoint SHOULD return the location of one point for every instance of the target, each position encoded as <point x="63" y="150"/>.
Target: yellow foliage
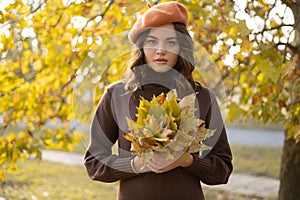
<point x="38" y="73"/>
<point x="2" y="177"/>
<point x="167" y="126"/>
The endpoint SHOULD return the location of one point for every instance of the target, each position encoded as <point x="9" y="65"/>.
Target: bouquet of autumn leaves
<point x="168" y="127"/>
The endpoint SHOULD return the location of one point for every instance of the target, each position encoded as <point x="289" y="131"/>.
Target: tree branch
<point x="102" y="15"/>
<point x="274" y="28"/>
<point x="39" y="6"/>
<point x="288" y="3"/>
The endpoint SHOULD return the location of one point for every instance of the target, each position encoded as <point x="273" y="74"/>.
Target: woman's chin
<point x="160" y="68"/>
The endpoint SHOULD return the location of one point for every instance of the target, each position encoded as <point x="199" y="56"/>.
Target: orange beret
<point x="158" y="15"/>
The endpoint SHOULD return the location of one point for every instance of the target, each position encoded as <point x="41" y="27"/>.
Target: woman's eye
<point x="172" y="43"/>
<point x="151" y="41"/>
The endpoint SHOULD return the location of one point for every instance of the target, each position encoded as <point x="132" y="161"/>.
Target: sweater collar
<point x="166" y="79"/>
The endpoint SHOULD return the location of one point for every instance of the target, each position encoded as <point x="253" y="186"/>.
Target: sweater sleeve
<point x="215" y="166"/>
<point x="99" y="161"/>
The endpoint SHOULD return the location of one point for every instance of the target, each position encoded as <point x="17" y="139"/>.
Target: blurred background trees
<point x="57" y="57"/>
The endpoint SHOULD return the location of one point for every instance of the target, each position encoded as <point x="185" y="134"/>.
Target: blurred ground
<point x="238" y="183"/>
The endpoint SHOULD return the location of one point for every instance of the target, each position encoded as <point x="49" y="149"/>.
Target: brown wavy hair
<point x="185" y="64"/>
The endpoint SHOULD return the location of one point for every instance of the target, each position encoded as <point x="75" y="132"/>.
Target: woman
<point x="163" y="60"/>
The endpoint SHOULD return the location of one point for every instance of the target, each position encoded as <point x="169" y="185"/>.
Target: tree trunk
<point x="290" y="163"/>
<point x="290" y="171"/>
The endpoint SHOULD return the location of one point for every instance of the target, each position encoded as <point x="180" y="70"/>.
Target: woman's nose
<point x="161" y="48"/>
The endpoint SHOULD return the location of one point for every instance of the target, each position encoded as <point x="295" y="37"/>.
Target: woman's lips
<point x="161" y="61"/>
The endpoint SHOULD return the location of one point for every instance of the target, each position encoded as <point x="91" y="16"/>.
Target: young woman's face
<point x="161" y="48"/>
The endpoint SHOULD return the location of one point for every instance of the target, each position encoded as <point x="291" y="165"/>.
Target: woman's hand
<point x="160" y="163"/>
<point x="137" y="166"/>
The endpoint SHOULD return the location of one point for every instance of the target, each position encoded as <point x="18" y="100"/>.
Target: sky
<point x="4" y="3"/>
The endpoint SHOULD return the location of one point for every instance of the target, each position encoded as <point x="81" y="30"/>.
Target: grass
<point x="252" y="123"/>
<point x="44" y="180"/>
<point x="257" y="160"/>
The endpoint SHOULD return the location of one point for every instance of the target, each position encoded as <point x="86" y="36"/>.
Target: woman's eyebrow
<point x="170" y="38"/>
<point x="150" y="36"/>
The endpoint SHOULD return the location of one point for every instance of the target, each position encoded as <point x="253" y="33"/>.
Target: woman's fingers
<point x="160" y="164"/>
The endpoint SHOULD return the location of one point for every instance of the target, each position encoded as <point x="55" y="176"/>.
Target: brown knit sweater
<point x="109" y="126"/>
